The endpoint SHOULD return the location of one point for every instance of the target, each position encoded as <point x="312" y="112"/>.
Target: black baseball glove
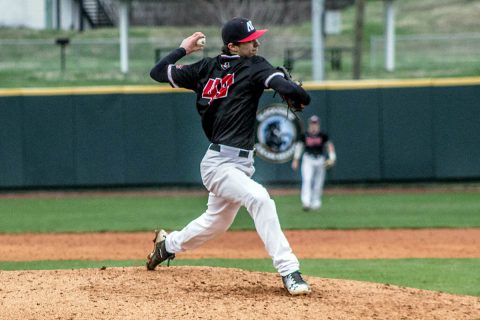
<point x="292" y="105"/>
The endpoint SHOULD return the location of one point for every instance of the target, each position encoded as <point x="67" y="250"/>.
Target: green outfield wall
<point x="121" y="136"/>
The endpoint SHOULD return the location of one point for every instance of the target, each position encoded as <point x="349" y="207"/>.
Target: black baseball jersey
<point x="228" y="90"/>
<point x="314" y="143"/>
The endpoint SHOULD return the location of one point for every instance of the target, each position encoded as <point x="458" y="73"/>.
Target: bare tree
<point x="264" y="11"/>
<point x="207" y="12"/>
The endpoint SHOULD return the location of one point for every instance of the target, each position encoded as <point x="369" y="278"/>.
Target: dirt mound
<point x="212" y="293"/>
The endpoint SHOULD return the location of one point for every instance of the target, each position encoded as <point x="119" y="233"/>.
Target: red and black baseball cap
<point x="240" y="30"/>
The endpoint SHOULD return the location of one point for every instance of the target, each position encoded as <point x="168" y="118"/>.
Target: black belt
<point x="314" y="154"/>
<point x="217" y="147"/>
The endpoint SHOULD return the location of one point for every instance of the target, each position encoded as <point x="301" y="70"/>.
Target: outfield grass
<point x="459" y="276"/>
<point x="348" y="211"/>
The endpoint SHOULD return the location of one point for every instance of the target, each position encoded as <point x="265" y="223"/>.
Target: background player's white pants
<point x="313" y="178"/>
<point x="227" y="177"/>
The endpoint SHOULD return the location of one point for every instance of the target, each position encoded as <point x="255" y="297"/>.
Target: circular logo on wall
<point x="277" y="131"/>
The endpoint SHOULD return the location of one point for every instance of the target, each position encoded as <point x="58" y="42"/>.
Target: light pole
<point x="318" y="53"/>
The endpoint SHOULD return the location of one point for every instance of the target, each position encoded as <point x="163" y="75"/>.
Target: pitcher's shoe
<point x="295" y="284"/>
<point x="159" y="253"/>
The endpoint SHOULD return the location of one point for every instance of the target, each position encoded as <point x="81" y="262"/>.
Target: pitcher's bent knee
<point x="258" y="200"/>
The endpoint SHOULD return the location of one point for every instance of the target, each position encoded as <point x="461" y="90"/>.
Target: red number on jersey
<point x="217" y="88"/>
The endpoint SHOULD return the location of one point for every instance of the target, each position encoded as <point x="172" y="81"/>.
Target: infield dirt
<point x="314" y="244"/>
<point x="212" y="293"/>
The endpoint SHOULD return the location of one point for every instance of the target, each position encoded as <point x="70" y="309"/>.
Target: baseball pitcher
<point x="228" y="88"/>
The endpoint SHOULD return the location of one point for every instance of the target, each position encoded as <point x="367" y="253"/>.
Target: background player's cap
<point x="314" y="119"/>
<point x="240" y="30"/>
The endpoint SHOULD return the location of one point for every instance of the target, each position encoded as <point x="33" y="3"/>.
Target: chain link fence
<point x="99" y="59"/>
<point x="429" y="50"/>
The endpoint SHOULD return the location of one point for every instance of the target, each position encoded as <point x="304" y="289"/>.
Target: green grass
<point x="404" y="210"/>
<point x="66" y="264"/>
<point x="130" y="213"/>
<point x="459" y="276"/>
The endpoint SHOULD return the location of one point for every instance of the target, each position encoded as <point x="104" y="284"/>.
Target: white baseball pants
<point x="313" y="179"/>
<point x="227" y="177"/>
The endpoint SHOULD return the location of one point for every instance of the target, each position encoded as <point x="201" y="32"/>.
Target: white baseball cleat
<point x="295" y="284"/>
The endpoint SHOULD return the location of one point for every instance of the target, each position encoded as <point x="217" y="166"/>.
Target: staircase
<point x="95" y="13"/>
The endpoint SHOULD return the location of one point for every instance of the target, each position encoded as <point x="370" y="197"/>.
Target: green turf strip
<point x="459" y="276"/>
<point x="129" y="213"/>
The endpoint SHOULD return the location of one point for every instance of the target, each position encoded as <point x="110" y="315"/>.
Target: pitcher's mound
<point x="212" y="293"/>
